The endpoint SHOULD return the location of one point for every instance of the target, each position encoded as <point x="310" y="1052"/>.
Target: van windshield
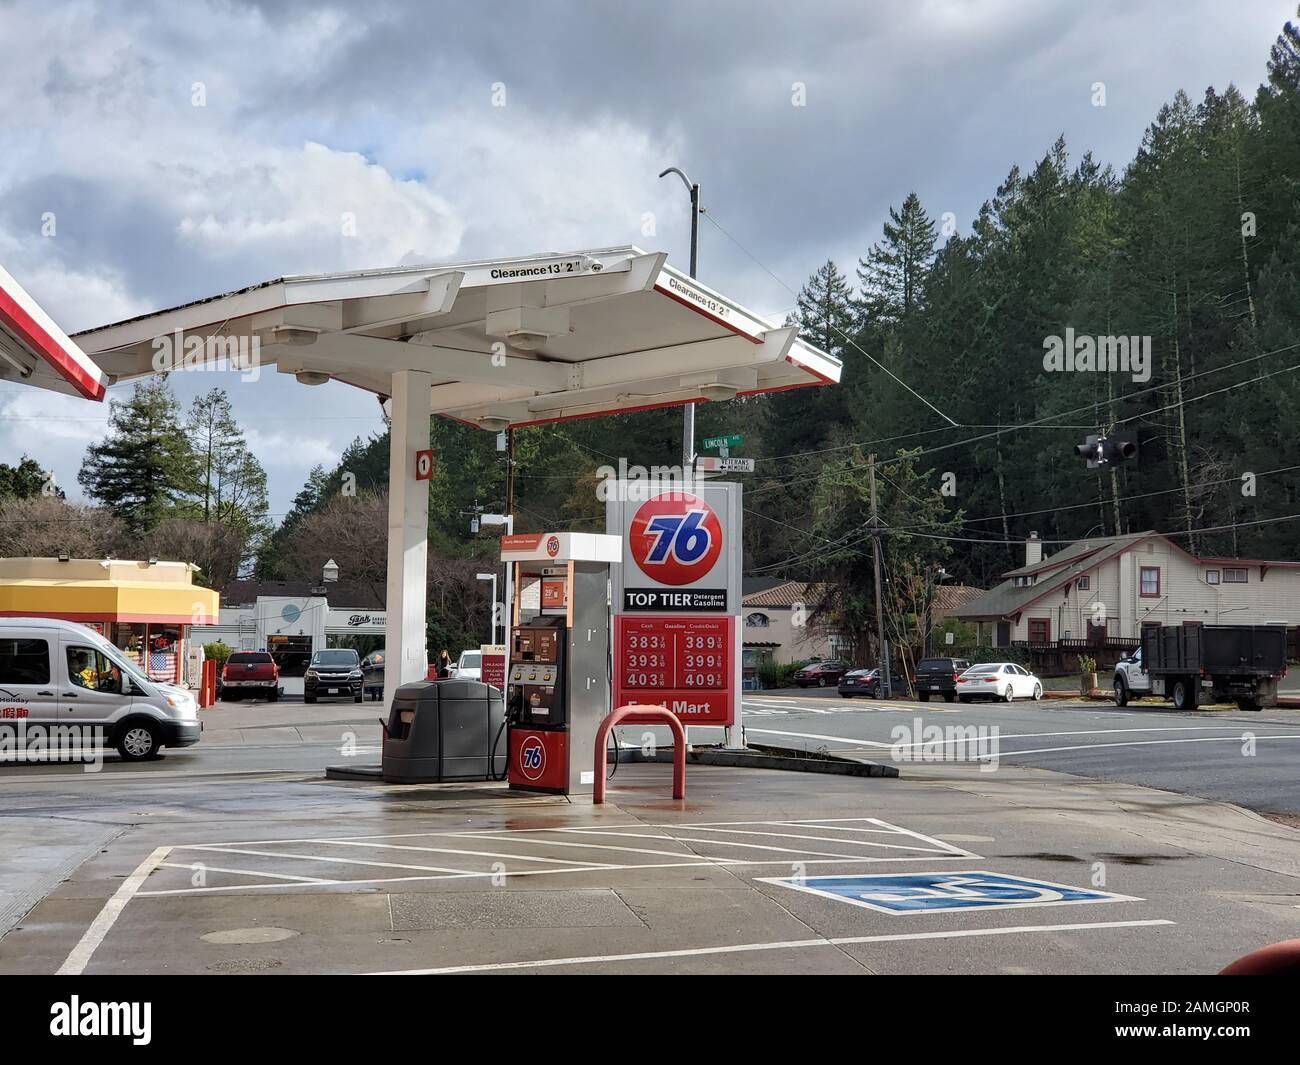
<point x="115" y="655"/>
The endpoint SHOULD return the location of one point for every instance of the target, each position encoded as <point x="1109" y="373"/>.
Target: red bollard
<point x="641" y="715"/>
<point x="208" y="683"/>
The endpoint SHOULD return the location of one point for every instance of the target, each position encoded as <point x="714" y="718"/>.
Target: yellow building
<point x="145" y="608"/>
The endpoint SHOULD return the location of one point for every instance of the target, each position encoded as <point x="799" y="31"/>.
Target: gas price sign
<point x="683" y="663"/>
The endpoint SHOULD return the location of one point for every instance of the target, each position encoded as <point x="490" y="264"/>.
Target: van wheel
<point x="137" y="741"/>
<point x="1121" y="692"/>
<point x="1184" y="694"/>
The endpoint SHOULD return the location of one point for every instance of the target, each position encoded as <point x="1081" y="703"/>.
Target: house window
<point x="755" y="621"/>
<point x="1040" y="630"/>
<point x="1211" y="576"/>
<point x="1150" y="582"/>
<point x="1085" y="583"/>
<point x="1234" y="576"/>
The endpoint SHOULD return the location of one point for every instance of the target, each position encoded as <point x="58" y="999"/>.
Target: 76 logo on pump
<point x="675" y="538"/>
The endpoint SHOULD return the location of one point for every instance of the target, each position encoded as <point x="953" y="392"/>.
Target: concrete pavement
<point x="237" y="856"/>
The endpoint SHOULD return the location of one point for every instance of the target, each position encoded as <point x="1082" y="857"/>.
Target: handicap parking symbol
<point x="898" y="893"/>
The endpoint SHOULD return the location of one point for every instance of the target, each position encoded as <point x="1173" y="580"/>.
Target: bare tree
<point x="217" y="549"/>
<point x="353" y="531"/>
<point x="46" y="526"/>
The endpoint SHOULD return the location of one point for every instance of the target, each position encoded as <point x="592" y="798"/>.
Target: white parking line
<point x="323" y="858"/>
<point x="791" y="944"/>
<point x="77" y="960"/>
<point x="823" y="839"/>
<point x="850" y="847"/>
<point x="1130" y="743"/>
<point x="243" y="872"/>
<point x="444" y="850"/>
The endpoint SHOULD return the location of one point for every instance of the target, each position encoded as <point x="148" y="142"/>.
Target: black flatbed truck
<point x="1212" y="663"/>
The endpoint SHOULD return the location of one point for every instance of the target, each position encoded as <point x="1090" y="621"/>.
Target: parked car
<point x="249" y="673"/>
<point x="61" y="674"/>
<point x="372" y="674"/>
<point x="998" y="680"/>
<point x="820" y="674"/>
<point x="1182" y="662"/>
<point x="469" y="666"/>
<point x="938" y="676"/>
<point x="336" y="671"/>
<point x="860" y="682"/>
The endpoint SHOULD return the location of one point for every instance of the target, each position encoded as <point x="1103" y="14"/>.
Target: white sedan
<point x="998" y="680"/>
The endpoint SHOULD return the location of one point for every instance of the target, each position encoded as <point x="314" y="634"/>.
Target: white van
<point x="60" y="673"/>
<point x="469" y="666"/>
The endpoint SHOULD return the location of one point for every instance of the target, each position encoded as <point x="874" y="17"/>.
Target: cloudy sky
<point x="186" y="148"/>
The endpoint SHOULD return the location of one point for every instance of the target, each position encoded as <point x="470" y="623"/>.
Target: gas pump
<point x="557" y="664"/>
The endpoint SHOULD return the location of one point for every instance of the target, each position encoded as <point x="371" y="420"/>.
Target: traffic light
<point x="1099" y="450"/>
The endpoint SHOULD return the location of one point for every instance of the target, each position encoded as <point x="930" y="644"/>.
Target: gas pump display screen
<point x="534" y="645"/>
<point x="684" y="663"/>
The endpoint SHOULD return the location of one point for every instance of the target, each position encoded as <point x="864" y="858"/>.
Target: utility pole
<point x="886" y="684"/>
<point x="688" y="417"/>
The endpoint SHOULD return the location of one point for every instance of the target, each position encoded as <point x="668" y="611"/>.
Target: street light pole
<point x="688" y="417"/>
<point x="492" y="622"/>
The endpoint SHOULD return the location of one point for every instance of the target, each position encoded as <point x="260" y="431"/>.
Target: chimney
<point x="330" y="574"/>
<point x="1033" y="550"/>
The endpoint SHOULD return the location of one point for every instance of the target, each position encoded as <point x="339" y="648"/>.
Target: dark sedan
<point x="860" y="682"/>
<point x="820" y="674"/>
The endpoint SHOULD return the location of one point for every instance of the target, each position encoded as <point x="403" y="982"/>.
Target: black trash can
<point x="443" y="730"/>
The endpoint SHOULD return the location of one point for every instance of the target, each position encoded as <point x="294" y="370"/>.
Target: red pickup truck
<point x="251" y="672"/>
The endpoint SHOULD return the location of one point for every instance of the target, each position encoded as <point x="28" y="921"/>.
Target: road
<point x="1250" y="759"/>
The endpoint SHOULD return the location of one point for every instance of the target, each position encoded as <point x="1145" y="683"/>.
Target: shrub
<point x="218" y="652"/>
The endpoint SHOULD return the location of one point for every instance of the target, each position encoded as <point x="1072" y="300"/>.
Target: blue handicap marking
<point x="930" y="892"/>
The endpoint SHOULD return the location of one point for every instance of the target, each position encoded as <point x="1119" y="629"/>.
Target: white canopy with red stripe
<point x="37" y="352"/>
<point x="519" y="341"/>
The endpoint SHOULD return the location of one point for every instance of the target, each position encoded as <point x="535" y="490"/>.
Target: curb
<point x="766" y="756"/>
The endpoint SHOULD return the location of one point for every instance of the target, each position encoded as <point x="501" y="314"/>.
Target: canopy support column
<point x="408" y="533"/>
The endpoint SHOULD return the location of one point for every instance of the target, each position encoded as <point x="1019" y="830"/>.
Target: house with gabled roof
<point x="1100" y="592"/>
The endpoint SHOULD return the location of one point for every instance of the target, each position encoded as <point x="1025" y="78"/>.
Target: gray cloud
<point x="386" y="111"/>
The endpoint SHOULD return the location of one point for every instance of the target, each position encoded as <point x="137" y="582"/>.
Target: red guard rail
<point x="641" y="715"/>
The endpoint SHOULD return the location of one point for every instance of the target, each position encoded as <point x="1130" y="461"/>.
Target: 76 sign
<point x="675" y="539"/>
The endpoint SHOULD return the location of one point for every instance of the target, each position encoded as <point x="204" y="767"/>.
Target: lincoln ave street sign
<point x="723" y="441"/>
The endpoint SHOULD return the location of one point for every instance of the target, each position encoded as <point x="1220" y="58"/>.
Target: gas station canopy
<point x="37" y="352"/>
<point x="518" y="341"/>
<point x="493" y="343"/>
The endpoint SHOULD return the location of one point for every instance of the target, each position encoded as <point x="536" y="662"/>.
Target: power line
<point x="844" y="336"/>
